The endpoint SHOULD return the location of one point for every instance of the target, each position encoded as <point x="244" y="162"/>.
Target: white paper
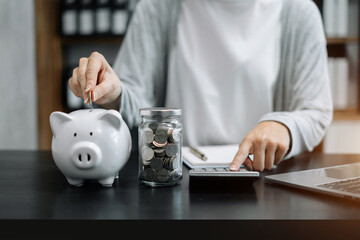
<point x="217" y="156"/>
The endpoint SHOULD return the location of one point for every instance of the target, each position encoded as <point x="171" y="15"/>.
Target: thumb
<point x="248" y="164"/>
<point x="101" y="89"/>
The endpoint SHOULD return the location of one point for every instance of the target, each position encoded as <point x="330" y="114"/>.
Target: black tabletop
<point x="32" y="187"/>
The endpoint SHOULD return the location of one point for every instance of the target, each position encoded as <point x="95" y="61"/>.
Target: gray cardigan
<point x="302" y="97"/>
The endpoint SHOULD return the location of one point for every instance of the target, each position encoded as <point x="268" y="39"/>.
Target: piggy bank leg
<point x="107" y="182"/>
<point x="75" y="181"/>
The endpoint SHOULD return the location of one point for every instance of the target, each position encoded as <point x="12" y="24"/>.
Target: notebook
<point x="217" y="156"/>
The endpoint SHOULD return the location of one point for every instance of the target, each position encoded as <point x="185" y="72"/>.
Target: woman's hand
<point x="269" y="142"/>
<point x="94" y="74"/>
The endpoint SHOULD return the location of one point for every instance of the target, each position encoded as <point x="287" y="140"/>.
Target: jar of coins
<point x="160" y="145"/>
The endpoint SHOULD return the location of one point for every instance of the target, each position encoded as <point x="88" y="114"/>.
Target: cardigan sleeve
<point x="307" y="108"/>
<point x="140" y="61"/>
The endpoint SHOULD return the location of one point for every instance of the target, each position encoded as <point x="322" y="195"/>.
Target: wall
<point x="18" y="113"/>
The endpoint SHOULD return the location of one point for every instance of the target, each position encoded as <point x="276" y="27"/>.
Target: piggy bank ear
<point x="112" y="117"/>
<point x="57" y="119"/>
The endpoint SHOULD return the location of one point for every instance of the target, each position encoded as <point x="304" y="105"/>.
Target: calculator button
<point x="210" y="169"/>
<point x="242" y="170"/>
<point x="199" y="169"/>
<point x="219" y="169"/>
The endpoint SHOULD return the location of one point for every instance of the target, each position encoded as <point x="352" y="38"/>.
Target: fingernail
<point x="86" y="100"/>
<point x="94" y="96"/>
<point x="88" y="88"/>
<point x="232" y="167"/>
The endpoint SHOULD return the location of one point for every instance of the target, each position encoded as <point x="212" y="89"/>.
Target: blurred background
<point x="41" y="42"/>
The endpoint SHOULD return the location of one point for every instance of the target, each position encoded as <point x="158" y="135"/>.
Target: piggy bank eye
<point x="75" y="134"/>
<point x="91" y="133"/>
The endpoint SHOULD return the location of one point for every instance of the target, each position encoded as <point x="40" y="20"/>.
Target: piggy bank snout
<point x="86" y="155"/>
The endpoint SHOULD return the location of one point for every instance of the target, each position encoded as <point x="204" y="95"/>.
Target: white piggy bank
<point x="90" y="144"/>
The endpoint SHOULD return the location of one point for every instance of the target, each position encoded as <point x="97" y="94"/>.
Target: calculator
<point x="222" y="180"/>
<point x="222" y="172"/>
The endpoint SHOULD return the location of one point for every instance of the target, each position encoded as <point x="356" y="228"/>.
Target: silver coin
<point x="160" y="154"/>
<point x="149" y="174"/>
<point x="161" y="136"/>
<point x="164" y="126"/>
<point x="171" y="150"/>
<point x="146" y="162"/>
<point x="147" y="153"/>
<point x="172" y="174"/>
<point x="159" y="150"/>
<point x="90" y="100"/>
<point x="176" y="175"/>
<point x="153" y="126"/>
<point x="147" y="135"/>
<point x="175" y="135"/>
<point x="163" y="175"/>
<point x="166" y="163"/>
<point x="156" y="163"/>
<point x="174" y="163"/>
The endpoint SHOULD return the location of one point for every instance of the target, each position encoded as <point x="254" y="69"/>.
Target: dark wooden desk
<point x="32" y="188"/>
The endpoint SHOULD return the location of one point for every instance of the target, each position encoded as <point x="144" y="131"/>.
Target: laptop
<point x="340" y="180"/>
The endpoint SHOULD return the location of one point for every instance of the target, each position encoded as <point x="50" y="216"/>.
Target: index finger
<point x="241" y="155"/>
<point x="95" y="65"/>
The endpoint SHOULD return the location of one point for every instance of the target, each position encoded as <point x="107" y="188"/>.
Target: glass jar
<point x="160" y="146"/>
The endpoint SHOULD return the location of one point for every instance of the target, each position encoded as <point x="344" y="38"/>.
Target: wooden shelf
<point x="337" y="41"/>
<point x="49" y="67"/>
<point x="347" y="114"/>
<point x="50" y="47"/>
<point x="92" y="39"/>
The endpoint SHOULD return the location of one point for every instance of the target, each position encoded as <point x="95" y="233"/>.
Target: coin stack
<point x="160" y="156"/>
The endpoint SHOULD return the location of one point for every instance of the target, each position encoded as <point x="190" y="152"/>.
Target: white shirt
<point x="223" y="69"/>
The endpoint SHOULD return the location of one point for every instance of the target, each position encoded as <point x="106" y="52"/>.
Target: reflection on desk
<point x="31" y="187"/>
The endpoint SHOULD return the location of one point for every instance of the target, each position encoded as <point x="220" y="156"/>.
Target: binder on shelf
<point x="103" y="17"/>
<point x="335" y="17"/>
<point x="120" y="17"/>
<point x="339" y="81"/>
<point x="86" y="17"/>
<point x="342" y="68"/>
<point x="343" y="9"/>
<point x="95" y="17"/>
<point x="332" y="78"/>
<point x="329" y="17"/>
<point x="69" y="17"/>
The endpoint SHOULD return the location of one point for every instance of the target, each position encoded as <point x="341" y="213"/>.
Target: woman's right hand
<point x="94" y="74"/>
